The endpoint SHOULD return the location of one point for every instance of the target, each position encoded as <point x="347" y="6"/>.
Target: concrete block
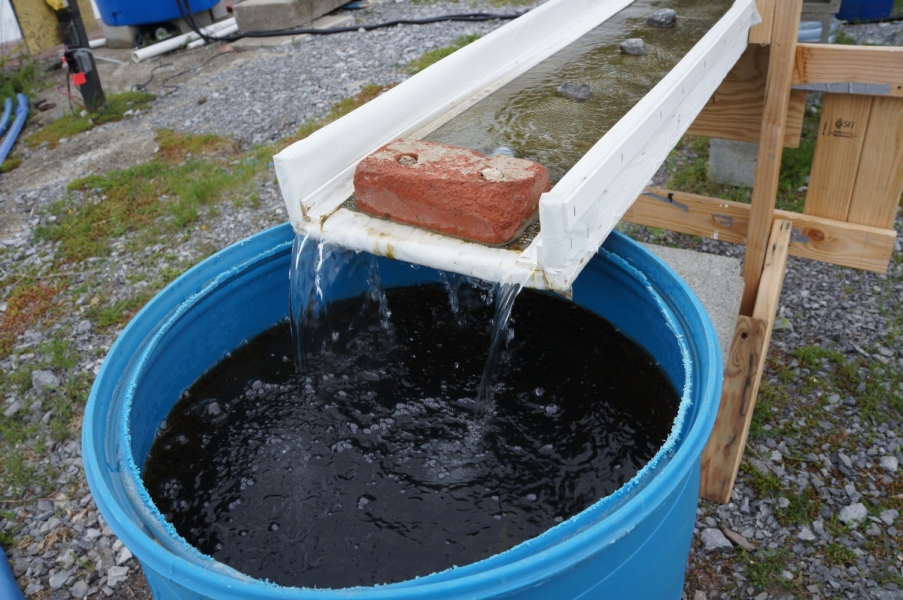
<point x="327" y="22"/>
<point x="455" y="191"/>
<point x="732" y="163"/>
<point x="119" y="36"/>
<point x="716" y="280"/>
<point x="274" y="15"/>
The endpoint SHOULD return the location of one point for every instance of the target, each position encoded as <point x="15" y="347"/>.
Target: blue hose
<point x="7" y="111"/>
<point x="16" y="129"/>
<point x="8" y="588"/>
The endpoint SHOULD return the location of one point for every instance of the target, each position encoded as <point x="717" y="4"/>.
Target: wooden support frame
<point x="854" y="192"/>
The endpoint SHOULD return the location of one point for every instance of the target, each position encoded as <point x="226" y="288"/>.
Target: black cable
<point x="142" y="87"/>
<point x="476" y="17"/>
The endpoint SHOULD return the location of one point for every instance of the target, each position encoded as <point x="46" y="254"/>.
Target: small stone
<point x="202" y="100"/>
<point x="79" y="589"/>
<point x="787" y="575"/>
<point x="845" y="460"/>
<point x="738" y="539"/>
<point x="116" y="575"/>
<point x="634" y="47"/>
<point x="84" y="326"/>
<point x="783" y="502"/>
<point x="889" y="516"/>
<point x="58" y="580"/>
<point x="889" y="463"/>
<point x="663" y="17"/>
<point x="853" y="514"/>
<point x="124" y="556"/>
<point x="699" y="595"/>
<point x="44" y="381"/>
<point x="806" y="535"/>
<point x="578" y="92"/>
<point x="13" y="408"/>
<point x="33" y="588"/>
<point x="714" y="541"/>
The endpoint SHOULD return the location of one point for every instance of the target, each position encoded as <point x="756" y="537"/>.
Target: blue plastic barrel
<point x="864" y="10"/>
<point x="632" y="544"/>
<point x="136" y="12"/>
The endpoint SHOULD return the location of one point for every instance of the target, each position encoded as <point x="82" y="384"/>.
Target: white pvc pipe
<point x="98" y="43"/>
<point x="180" y="40"/>
<point x="224" y="31"/>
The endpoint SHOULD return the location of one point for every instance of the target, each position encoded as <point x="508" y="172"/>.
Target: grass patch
<point x="803" y="508"/>
<point x="10" y="164"/>
<point x="121" y="311"/>
<point x="689" y="166"/>
<point x="764" y="567"/>
<point x="762" y="483"/>
<point x="836" y="554"/>
<point x="18" y="78"/>
<point x="28" y="303"/>
<point x="433" y="56"/>
<point x="772" y="398"/>
<point x="69" y="125"/>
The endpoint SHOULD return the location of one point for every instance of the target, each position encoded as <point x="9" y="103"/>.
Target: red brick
<point x="451" y="190"/>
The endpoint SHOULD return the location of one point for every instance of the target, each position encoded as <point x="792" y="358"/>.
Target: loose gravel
<point x="816" y="509"/>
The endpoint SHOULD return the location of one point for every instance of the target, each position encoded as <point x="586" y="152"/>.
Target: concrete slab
<point x="732" y="163"/>
<point x="716" y="281"/>
<point x="326" y="22"/>
<point x="273" y="15"/>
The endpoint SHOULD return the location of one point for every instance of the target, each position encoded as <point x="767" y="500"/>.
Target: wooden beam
<point x="761" y="33"/>
<point x="768" y="160"/>
<point x="879" y="182"/>
<point x="722" y="455"/>
<point x="838" y="146"/>
<point x="734" y="112"/>
<point x="827" y="63"/>
<point x="815" y="238"/>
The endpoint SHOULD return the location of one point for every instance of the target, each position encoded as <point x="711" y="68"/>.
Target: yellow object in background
<point x="38" y="22"/>
<point x="57" y="4"/>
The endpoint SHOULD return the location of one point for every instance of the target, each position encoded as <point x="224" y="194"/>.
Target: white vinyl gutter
<point x="315" y="174"/>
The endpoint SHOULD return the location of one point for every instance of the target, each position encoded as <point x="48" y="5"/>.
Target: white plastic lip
<point x="315" y="174"/>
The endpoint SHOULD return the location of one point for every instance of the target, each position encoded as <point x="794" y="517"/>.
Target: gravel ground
<point x="815" y="509"/>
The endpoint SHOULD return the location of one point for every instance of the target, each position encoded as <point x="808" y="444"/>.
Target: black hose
<point x="476" y="17"/>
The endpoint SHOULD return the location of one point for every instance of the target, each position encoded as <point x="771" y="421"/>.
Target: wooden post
<point x="771" y="147"/>
<point x="722" y="455"/>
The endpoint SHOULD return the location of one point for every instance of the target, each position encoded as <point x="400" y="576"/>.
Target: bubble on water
<point x="531" y="497"/>
<point x="546" y="450"/>
<point x="539" y="392"/>
<point x="274" y="526"/>
<point x="552" y="409"/>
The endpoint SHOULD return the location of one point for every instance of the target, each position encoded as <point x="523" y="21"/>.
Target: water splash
<point x="505" y="293"/>
<point x="321" y="272"/>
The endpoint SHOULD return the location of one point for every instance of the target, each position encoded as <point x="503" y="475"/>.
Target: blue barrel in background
<point x="138" y="12"/>
<point x="632" y="544"/>
<point x="864" y="10"/>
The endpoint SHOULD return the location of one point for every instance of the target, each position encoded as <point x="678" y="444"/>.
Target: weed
<point x="69" y="125"/>
<point x="845" y="38"/>
<point x="763" y="568"/>
<point x="810" y="357"/>
<point x="10" y="164"/>
<point x="836" y="554"/>
<point x="803" y="508"/>
<point x="763" y="483"/>
<point x="433" y="56"/>
<point x="17" y="78"/>
<point x="121" y="311"/>
<point x="27" y="304"/>
<point x="770" y="400"/>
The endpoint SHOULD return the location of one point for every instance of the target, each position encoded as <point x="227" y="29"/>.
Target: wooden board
<point x="743" y="375"/>
<point x="768" y="159"/>
<point x="879" y="181"/>
<point x="827" y="63"/>
<point x="734" y="112"/>
<point x="39" y="24"/>
<point x="761" y="33"/>
<point x="838" y="147"/>
<point x="815" y="238"/>
<point x="721" y="457"/>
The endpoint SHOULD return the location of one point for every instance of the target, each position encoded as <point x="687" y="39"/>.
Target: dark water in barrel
<point x="371" y="466"/>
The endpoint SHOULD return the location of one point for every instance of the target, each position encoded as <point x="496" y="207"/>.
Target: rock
<point x="853" y="514"/>
<point x="738" y="539"/>
<point x="116" y="575"/>
<point x="454" y="191"/>
<point x="13" y="408"/>
<point x="634" y="47"/>
<point x="699" y="595"/>
<point x="884" y="594"/>
<point x="579" y="92"/>
<point x="847" y="462"/>
<point x="889" y="516"/>
<point x="79" y="589"/>
<point x="124" y="556"/>
<point x="44" y="381"/>
<point x="806" y="535"/>
<point x="58" y="580"/>
<point x="889" y="463"/>
<point x="714" y="541"/>
<point x="663" y="17"/>
<point x="33" y="588"/>
<point x="84" y="326"/>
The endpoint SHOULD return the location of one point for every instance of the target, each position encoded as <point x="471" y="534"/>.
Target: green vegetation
<point x="763" y="483"/>
<point x="11" y="163"/>
<point x="434" y="56"/>
<point x="689" y="169"/>
<point x="836" y="554"/>
<point x="17" y="75"/>
<point x="764" y="568"/>
<point x="70" y="125"/>
<point x="802" y="510"/>
<point x="28" y="303"/>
